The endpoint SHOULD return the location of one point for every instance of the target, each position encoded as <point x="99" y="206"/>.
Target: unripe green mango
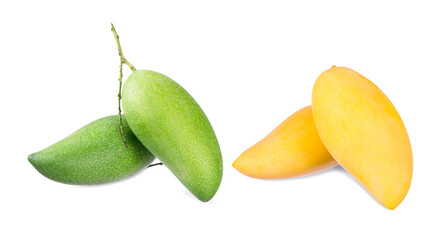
<point x="170" y="123"/>
<point x="93" y="154"/>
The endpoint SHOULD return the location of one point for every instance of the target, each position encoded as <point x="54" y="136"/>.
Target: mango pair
<point x="161" y="119"/>
<point x="350" y="122"/>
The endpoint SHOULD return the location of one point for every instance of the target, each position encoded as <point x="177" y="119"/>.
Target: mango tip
<point x="235" y="165"/>
<point x="31" y="158"/>
<point x="391" y="206"/>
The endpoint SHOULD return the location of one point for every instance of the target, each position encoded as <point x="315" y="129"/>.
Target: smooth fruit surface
<point x="93" y="154"/>
<point x="292" y="149"/>
<point x="363" y="131"/>
<point x="170" y="123"/>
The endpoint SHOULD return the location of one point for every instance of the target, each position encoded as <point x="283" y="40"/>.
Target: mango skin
<point x="93" y="154"/>
<point x="363" y="131"/>
<point x="293" y="149"/>
<point x="170" y="123"/>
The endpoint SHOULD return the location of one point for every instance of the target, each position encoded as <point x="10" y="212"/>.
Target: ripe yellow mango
<point x="363" y="131"/>
<point x="292" y="149"/>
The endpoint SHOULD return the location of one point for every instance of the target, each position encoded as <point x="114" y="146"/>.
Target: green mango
<point x="170" y="123"/>
<point x="93" y="154"/>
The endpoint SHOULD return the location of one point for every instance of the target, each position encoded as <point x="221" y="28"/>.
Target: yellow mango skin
<point x="292" y="149"/>
<point x="363" y="131"/>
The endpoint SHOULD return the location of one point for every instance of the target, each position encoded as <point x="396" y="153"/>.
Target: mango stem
<point x="121" y="55"/>
<point x="123" y="60"/>
<point x="155" y="164"/>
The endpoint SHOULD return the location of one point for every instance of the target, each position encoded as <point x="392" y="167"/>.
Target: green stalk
<point x="123" y="61"/>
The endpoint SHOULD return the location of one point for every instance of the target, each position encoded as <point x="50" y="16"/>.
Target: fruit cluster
<point x="159" y="115"/>
<point x="350" y="122"/>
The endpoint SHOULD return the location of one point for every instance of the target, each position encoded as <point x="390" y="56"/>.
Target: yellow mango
<point x="363" y="131"/>
<point x="292" y="149"/>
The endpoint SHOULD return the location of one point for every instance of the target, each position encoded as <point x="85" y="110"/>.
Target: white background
<point x="249" y="64"/>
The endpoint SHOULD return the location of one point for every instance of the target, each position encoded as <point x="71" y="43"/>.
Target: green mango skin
<point x="93" y="154"/>
<point x="170" y="123"/>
